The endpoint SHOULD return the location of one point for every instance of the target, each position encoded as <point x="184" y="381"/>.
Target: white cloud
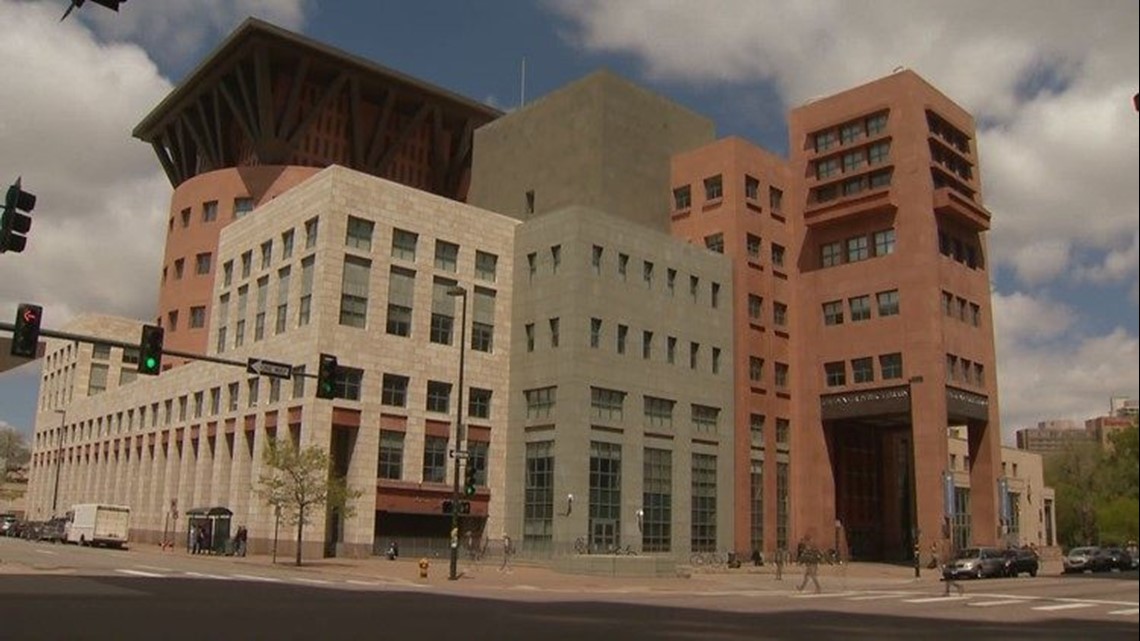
<point x="1045" y="372"/>
<point x="173" y="29"/>
<point x="102" y="198"/>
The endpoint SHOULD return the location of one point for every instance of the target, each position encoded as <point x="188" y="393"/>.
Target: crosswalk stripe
<point x="200" y="575"/>
<point x="1126" y="611"/>
<point x="872" y="597"/>
<point x="988" y="604"/>
<point x="371" y="584"/>
<point x="302" y="579"/>
<point x="935" y="599"/>
<point x="823" y="595"/>
<point x="151" y="575"/>
<point x="1063" y="606"/>
<point x="251" y="577"/>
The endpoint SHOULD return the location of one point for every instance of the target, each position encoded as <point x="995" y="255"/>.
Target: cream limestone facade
<point x="194" y="436"/>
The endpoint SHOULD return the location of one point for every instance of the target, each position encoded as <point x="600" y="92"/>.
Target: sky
<point x="1050" y="85"/>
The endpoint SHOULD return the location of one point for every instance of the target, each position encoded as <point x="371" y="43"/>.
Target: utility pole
<point x="453" y="574"/>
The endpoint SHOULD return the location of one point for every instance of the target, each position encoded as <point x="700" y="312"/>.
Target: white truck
<point x="98" y="524"/>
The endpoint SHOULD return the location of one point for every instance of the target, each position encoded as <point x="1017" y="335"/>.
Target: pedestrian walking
<point x="948" y="579"/>
<point x="781" y="558"/>
<point x="240" y="541"/>
<point x="508" y="550"/>
<point x="810" y="557"/>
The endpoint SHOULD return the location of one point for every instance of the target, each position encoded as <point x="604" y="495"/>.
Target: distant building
<point x="1124" y="407"/>
<point x="1051" y="436"/>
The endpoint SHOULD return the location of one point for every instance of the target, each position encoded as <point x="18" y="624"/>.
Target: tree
<point x="1072" y="472"/>
<point x="298" y="481"/>
<point x="13" y="448"/>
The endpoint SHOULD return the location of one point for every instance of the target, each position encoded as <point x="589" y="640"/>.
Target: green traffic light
<point x="151" y="363"/>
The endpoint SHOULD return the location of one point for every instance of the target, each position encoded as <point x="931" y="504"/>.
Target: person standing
<point x="781" y="559"/>
<point x="508" y="550"/>
<point x="810" y="557"/>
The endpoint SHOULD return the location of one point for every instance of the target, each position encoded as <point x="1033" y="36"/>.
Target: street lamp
<point x="58" y="459"/>
<point x="460" y="292"/>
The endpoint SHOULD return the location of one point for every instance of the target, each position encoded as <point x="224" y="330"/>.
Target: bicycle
<point x="580" y="545"/>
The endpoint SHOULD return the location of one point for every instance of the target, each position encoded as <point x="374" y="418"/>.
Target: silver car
<point x="975" y="563"/>
<point x="1081" y="559"/>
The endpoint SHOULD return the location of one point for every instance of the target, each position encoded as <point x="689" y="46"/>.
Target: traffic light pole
<point x="454" y="567"/>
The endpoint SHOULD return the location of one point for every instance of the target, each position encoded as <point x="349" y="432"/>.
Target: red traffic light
<point x="26" y="335"/>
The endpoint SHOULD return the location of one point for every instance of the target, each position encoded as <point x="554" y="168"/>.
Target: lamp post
<point x="913" y="473"/>
<point x="461" y="293"/>
<point x="58" y="459"/>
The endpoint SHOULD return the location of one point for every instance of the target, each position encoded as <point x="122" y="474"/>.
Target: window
<point x="783" y="433"/>
<point x="394" y="390"/>
<point x="694" y="286"/>
<point x="287" y="245"/>
<point x="606" y="404"/>
<point x="777" y="255"/>
<point x="353" y="292"/>
<point x="714" y="295"/>
<point x="446" y="256"/>
<point x="227" y="273"/>
<point x="752" y="246"/>
<point x="242" y="206"/>
<point x="888" y="302"/>
<point x="532" y="263"/>
<point x="231" y="400"/>
<point x="540" y="402"/>
<point x="647" y="273"/>
<point x="714" y="187"/>
<point x="716" y="360"/>
<point x="622" y="333"/>
<point x="880" y="179"/>
<point x="979" y="374"/>
<point x="97" y="381"/>
<point x="962" y="306"/>
<point x="478" y="459"/>
<point x="530" y="337"/>
<point x="851" y="132"/>
<point x="756" y="430"/>
<point x="555" y="257"/>
<point x="530" y="201"/>
<point x="404" y="245"/>
<point x="670" y="280"/>
<point x="947" y="303"/>
<point x="435" y="459"/>
<point x="595" y="332"/>
<point x="775" y="199"/>
<point x="179" y="266"/>
<point x="172" y="320"/>
<point x="283" y="275"/>
<point x="438" y="397"/>
<point x="623" y="265"/>
<point x="884" y="242"/>
<point x="827" y="168"/>
<point x="210" y="211"/>
<point x="951" y="367"/>
<point x="479" y="404"/>
<point x="401" y="284"/>
<point x="755" y="307"/>
<point x="304" y="307"/>
<point x="349" y="382"/>
<point x="246" y="264"/>
<point x="605" y="502"/>
<point x="862" y="370"/>
<point x="715" y="242"/>
<point x="682" y="198"/>
<point x="975" y="315"/>
<point x="358" y="234"/>
<point x="878" y="152"/>
<point x="197" y="317"/>
<point x="825" y="140"/>
<point x="857" y="249"/>
<point x="860" y="308"/>
<point x="779" y="314"/>
<point x="833" y="313"/>
<point x="755" y="369"/>
<point x="311" y="228"/>
<point x="185" y="218"/>
<point x="836" y="373"/>
<point x="554" y="332"/>
<point x="596" y="259"/>
<point x="202" y="264"/>
<point x="890" y="366"/>
<point x="876" y="124"/>
<point x="538" y="492"/>
<point x="486" y="266"/>
<point x="442" y="311"/>
<point x="694" y="354"/>
<point x="659" y="411"/>
<point x="483" y="323"/>
<point x="751" y="188"/>
<point x="703" y="509"/>
<point x="646" y="344"/>
<point x="705" y="418"/>
<point x="853" y="161"/>
<point x="657" y="501"/>
<point x="266" y="254"/>
<point x="781" y="375"/>
<point x="391" y="461"/>
<point x="253" y="387"/>
<point x="671" y="350"/>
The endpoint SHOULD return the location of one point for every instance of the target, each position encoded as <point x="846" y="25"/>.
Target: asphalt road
<point x="67" y="592"/>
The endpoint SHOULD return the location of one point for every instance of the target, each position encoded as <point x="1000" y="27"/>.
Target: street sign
<point x="262" y="367"/>
<point x="459" y="454"/>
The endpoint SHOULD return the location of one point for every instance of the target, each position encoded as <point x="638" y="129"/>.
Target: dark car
<point x="1021" y="561"/>
<point x="53" y="530"/>
<point x="975" y="563"/>
<point x="1118" y="559"/>
<point x="1088" y="558"/>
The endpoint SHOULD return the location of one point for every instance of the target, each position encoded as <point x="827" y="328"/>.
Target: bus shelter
<point x="209" y="527"/>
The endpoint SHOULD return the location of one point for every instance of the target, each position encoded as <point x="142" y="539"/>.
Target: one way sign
<point x="262" y="367"/>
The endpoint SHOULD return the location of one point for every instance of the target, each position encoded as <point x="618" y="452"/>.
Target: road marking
<point x="251" y="577"/>
<point x="302" y="579"/>
<point x="154" y="567"/>
<point x="990" y="604"/>
<point x="872" y="597"/>
<point x="1126" y="611"/>
<point x="152" y="575"/>
<point x="200" y="575"/>
<point x="935" y="599"/>
<point x="1063" y="606"/>
<point x="47" y="552"/>
<point x="370" y="584"/>
<point x="823" y="595"/>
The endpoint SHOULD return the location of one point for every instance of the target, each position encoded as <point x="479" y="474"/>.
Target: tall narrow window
<point x="703" y="513"/>
<point x="354" y="292"/>
<point x="446" y="256"/>
<point x="404" y="245"/>
<point x="282" y="316"/>
<point x="259" y="310"/>
<point x="538" y="492"/>
<point x="483" y="321"/>
<point x="401" y="288"/>
<point x="442" y="311"/>
<point x="304" y="310"/>
<point x="435" y="459"/>
<point x="657" y="501"/>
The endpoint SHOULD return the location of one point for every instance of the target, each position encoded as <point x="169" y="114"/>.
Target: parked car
<point x="1118" y="559"/>
<point x="1021" y="561"/>
<point x="976" y="563"/>
<point x="8" y="524"/>
<point x="53" y="530"/>
<point x="1087" y="558"/>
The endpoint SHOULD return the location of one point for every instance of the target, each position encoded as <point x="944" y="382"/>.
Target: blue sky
<point x="1050" y="85"/>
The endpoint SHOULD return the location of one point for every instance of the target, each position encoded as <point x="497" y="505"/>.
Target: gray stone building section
<point x="577" y="268"/>
<point x="600" y="142"/>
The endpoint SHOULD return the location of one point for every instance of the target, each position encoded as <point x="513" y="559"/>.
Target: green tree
<point x="299" y="481"/>
<point x="13" y="448"/>
<point x="1118" y="521"/>
<point x="1073" y="474"/>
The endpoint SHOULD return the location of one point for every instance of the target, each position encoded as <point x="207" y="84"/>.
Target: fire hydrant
<point x="423" y="568"/>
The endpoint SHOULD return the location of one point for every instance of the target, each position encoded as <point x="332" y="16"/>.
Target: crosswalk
<point x="152" y="572"/>
<point x="1038" y="604"/>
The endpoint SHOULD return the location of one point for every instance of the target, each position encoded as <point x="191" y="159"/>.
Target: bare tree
<point x="298" y="481"/>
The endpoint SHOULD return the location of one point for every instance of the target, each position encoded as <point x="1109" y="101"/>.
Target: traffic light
<point x="150" y="350"/>
<point x="14" y="220"/>
<point x="113" y="5"/>
<point x="447" y="505"/>
<point x="469" y="479"/>
<point x="327" y="374"/>
<point x="26" y="335"/>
